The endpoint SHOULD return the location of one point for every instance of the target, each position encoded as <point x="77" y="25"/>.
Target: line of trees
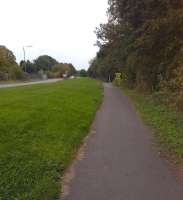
<point x="48" y="65"/>
<point x="143" y="39"/>
<point x="10" y="69"/>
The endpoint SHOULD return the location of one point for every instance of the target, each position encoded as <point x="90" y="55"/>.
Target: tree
<point x="83" y="73"/>
<point x="143" y="40"/>
<point x="28" y="67"/>
<point x="7" y="59"/>
<point x="9" y="69"/>
<point x="45" y="63"/>
<point x="129" y="41"/>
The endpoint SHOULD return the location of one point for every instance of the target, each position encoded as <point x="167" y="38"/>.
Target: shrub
<point x="3" y="76"/>
<point x="16" y="73"/>
<point x="53" y="74"/>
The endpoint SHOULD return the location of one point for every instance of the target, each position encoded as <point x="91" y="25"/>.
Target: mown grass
<point x="166" y="123"/>
<point x="41" y="127"/>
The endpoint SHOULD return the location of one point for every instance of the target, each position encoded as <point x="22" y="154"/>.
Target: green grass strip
<point x="41" y="128"/>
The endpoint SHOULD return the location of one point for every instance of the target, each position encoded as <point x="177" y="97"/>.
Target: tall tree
<point x="143" y="39"/>
<point x="45" y="62"/>
<point x="9" y="69"/>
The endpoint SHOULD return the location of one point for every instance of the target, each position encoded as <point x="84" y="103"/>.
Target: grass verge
<point x="166" y="123"/>
<point x="41" y="128"/>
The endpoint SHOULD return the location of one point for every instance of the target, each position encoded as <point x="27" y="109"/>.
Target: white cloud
<point x="60" y="28"/>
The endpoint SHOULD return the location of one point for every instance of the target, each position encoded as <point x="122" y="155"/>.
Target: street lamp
<point x="24" y="47"/>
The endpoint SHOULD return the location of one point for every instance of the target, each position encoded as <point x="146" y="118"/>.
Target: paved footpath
<point x="120" y="161"/>
<point x="9" y="85"/>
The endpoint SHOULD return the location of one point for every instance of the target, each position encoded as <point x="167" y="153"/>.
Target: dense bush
<point x="3" y="76"/>
<point x="60" y="69"/>
<point x="53" y="74"/>
<point x="16" y="73"/>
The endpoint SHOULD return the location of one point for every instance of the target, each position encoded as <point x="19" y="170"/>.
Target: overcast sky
<point x="62" y="29"/>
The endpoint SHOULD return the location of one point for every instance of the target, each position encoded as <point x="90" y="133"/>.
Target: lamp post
<point x="24" y="47"/>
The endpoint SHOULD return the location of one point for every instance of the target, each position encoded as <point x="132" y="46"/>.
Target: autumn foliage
<point x="144" y="40"/>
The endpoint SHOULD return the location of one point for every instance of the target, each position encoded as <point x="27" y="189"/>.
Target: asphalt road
<point x="120" y="161"/>
<point x="29" y="83"/>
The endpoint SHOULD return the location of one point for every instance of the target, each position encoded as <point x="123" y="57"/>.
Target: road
<point x="119" y="160"/>
<point x="29" y="83"/>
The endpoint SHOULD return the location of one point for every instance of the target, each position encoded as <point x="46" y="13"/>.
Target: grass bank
<point x="41" y="127"/>
<point x="166" y="123"/>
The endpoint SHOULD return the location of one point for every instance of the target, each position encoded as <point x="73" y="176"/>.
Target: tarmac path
<point x="120" y="161"/>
